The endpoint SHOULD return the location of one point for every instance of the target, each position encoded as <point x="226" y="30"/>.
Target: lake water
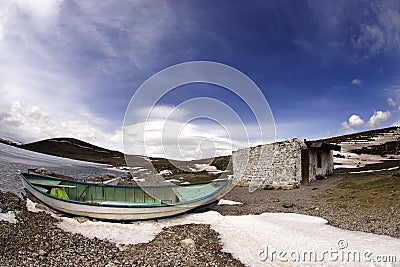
<point x="14" y="160"/>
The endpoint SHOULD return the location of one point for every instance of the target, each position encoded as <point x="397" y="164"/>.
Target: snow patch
<point x="352" y="160"/>
<point x="380" y="170"/>
<point x="171" y="181"/>
<point x="165" y="172"/>
<point x="206" y="167"/>
<point x="8" y="217"/>
<point x="245" y="236"/>
<point x="31" y="206"/>
<point x="120" y="234"/>
<point x="228" y="202"/>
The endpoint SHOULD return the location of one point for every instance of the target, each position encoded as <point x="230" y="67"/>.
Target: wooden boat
<point x="122" y="203"/>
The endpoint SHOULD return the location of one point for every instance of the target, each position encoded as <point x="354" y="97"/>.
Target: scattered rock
<point x="288" y="205"/>
<point x="166" y="173"/>
<point x="42" y="252"/>
<point x="42" y="170"/>
<point x="166" y="248"/>
<point x="10" y="202"/>
<point x="339" y="156"/>
<point x="187" y="243"/>
<point x="101" y="178"/>
<point x="279" y="186"/>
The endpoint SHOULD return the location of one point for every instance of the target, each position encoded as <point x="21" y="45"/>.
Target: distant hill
<point x="79" y="150"/>
<point x="9" y="142"/>
<point x="76" y="149"/>
<point x="362" y="136"/>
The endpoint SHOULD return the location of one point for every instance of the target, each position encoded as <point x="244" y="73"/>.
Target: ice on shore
<point x="228" y="202"/>
<point x="380" y="170"/>
<point x="8" y="217"/>
<point x="257" y="240"/>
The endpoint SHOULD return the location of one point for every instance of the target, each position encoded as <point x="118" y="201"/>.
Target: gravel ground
<point x="366" y="202"/>
<point x="35" y="240"/>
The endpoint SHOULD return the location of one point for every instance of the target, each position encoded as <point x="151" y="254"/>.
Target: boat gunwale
<point x="99" y="204"/>
<point x="126" y="186"/>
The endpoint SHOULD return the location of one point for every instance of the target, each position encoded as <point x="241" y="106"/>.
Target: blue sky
<point x="70" y="68"/>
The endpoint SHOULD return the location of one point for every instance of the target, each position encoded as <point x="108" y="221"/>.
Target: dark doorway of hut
<point x="305" y="167"/>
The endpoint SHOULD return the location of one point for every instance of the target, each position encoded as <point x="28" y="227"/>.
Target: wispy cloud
<point x="368" y="28"/>
<point x="357" y="82"/>
<point x="391" y="102"/>
<point x="382" y="32"/>
<point x="60" y="58"/>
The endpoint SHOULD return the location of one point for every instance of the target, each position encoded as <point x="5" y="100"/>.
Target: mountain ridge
<point x="73" y="148"/>
<point x="76" y="149"/>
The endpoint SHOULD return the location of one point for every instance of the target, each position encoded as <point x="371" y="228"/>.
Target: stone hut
<point x="283" y="164"/>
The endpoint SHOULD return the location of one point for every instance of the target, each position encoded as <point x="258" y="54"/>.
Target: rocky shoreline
<point x="35" y="240"/>
<point x="365" y="202"/>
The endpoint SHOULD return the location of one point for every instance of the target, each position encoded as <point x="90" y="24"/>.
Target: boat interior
<point x="99" y="193"/>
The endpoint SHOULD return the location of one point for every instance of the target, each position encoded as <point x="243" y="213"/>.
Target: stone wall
<point x="271" y="165"/>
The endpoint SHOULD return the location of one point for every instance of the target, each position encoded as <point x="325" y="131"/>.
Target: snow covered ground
<point x="260" y="240"/>
<point x="8" y="217"/>
<point x="352" y="160"/>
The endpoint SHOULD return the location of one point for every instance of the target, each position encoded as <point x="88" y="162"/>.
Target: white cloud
<point x="345" y="126"/>
<point x="59" y="59"/>
<point x="175" y="133"/>
<point x="354" y="122"/>
<point x="40" y="14"/>
<point x="357" y="82"/>
<point x="23" y="122"/>
<point x="378" y="117"/>
<point x="391" y="102"/>
<point x="178" y="140"/>
<point x="43" y="11"/>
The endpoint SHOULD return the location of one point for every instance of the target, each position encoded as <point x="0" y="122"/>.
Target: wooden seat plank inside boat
<point x="46" y="184"/>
